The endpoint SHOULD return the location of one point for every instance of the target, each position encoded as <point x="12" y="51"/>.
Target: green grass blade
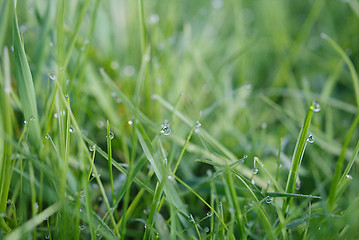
<point x="297" y="158"/>
<point x="25" y="85"/>
<point x="349" y="63"/>
<point x="4" y="18"/>
<point x="238" y="212"/>
<point x="340" y="162"/>
<point x="33" y="222"/>
<point x="5" y="129"/>
<point x="109" y="137"/>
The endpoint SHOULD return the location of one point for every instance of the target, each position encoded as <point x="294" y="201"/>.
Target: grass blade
<point x="298" y="156"/>
<point x="25" y="85"/>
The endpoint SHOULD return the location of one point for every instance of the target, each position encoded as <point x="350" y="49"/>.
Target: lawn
<point x="173" y="119"/>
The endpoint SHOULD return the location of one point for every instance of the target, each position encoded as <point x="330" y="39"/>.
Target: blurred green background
<point x="249" y="69"/>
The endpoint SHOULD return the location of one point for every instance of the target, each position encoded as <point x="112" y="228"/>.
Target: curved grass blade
<point x="297" y="158"/>
<point x="25" y="85"/>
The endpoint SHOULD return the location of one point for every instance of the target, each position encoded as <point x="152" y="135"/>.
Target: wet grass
<point x="179" y="120"/>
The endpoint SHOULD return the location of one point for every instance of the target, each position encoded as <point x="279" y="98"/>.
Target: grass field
<point x="179" y="119"/>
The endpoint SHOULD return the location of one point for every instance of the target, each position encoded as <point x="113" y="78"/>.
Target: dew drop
<point x="349" y="176"/>
<point x="310" y="138"/>
<point x="36" y="205"/>
<point x="129" y="71"/>
<point x="47" y="236"/>
<point x="316" y="107"/>
<point x="130" y="122"/>
<point x="197" y="127"/>
<point x="98" y="234"/>
<point x="165" y="128"/>
<point x="170" y="177"/>
<point x="254" y="170"/>
<point x="114" y="65"/>
<point x="209" y="214"/>
<point x="268" y="199"/>
<point x="81" y="210"/>
<point x="278" y="165"/>
<point x="154" y="18"/>
<point x="32" y="118"/>
<point x="25" y="122"/>
<point x="56" y="115"/>
<point x="52" y="76"/>
<point x="269" y="182"/>
<point x="190" y="219"/>
<point x="206" y="229"/>
<point x="47" y="136"/>
<point x="253" y="182"/>
<point x="323" y="35"/>
<point x="45" y="219"/>
<point x="92" y="147"/>
<point x="66" y="95"/>
<point x="82" y="227"/>
<point x="82" y="195"/>
<point x="110" y="136"/>
<point x="100" y="124"/>
<point x="245" y="156"/>
<point x="71" y="130"/>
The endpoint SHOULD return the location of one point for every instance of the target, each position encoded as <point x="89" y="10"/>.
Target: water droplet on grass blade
<point x="92" y="147"/>
<point x="316" y="107"/>
<point x="47" y="136"/>
<point x="190" y="219"/>
<point x="310" y="138"/>
<point x="206" y="229"/>
<point x="52" y="76"/>
<point x="323" y="35"/>
<point x="209" y="214"/>
<point x="166" y="129"/>
<point x="110" y="136"/>
<point x="197" y="127"/>
<point x="269" y="199"/>
<point x="254" y="170"/>
<point x="82" y="227"/>
<point x="47" y="236"/>
<point x="32" y="118"/>
<point x="71" y="130"/>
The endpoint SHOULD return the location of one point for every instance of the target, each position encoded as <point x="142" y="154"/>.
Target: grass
<point x="179" y="120"/>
